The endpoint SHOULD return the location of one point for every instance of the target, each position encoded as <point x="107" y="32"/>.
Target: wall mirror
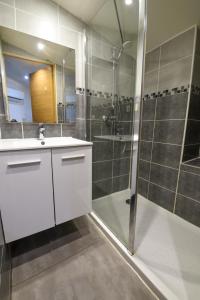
<point x="39" y="79"/>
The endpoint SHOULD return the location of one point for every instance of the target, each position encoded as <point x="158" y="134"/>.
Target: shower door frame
<point x="141" y="46"/>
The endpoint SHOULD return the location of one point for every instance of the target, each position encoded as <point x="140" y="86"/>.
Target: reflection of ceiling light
<point x="128" y="2"/>
<point x="26" y="77"/>
<point x="40" y="46"/>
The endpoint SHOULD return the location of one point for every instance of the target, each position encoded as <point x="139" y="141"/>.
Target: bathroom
<point x="99" y="149"/>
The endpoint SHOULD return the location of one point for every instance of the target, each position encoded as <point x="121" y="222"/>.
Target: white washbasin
<point x="54" y="142"/>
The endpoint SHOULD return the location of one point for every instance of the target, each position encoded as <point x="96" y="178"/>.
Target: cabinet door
<point x="72" y="176"/>
<point x="26" y="192"/>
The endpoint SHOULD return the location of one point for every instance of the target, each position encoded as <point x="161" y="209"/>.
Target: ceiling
<point x="101" y="16"/>
<point x="165" y="18"/>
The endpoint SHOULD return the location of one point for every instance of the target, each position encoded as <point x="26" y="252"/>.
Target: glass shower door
<point x="111" y="62"/>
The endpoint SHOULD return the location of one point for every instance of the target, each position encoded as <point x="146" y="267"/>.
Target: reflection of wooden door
<point x="43" y="96"/>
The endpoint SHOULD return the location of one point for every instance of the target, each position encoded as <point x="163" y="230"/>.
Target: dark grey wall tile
<point x="144" y="169"/>
<point x="172" y="107"/>
<point x="148" y="109"/>
<point x="152" y="60"/>
<point x="52" y="130"/>
<point x="80" y="106"/>
<point x="11" y="130"/>
<point x="106" y="129"/>
<point x="194" y="108"/>
<point x="161" y="196"/>
<point x="192" y="132"/>
<point x="121" y="166"/>
<point x="101" y="188"/>
<point x="142" y="187"/>
<point x="192" y="167"/>
<point x="188" y="209"/>
<point x="80" y="130"/>
<point x="95" y="129"/>
<point x="145" y="150"/>
<point x="100" y="107"/>
<point x="120" y="183"/>
<point x="189" y="185"/>
<point x="31" y="130"/>
<point x="165" y="154"/>
<point x="122" y="149"/>
<point x="101" y="170"/>
<point x="102" y="151"/>
<point x="169" y="131"/>
<point x="175" y="75"/>
<point x="147" y="130"/>
<point x="150" y="82"/>
<point x="126" y="110"/>
<point x="191" y="151"/>
<point x="178" y="47"/>
<point x="163" y="176"/>
<point x="68" y="130"/>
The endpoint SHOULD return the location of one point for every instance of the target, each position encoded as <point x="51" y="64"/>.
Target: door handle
<point x="23" y="163"/>
<point x="71" y="157"/>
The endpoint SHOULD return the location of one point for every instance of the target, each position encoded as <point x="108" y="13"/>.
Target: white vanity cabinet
<point x="42" y="185"/>
<point x="26" y="198"/>
<point x="72" y="177"/>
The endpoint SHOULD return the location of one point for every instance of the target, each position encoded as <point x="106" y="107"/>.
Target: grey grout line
<point x="187" y="113"/>
<point x="185" y="162"/>
<point x="163" y="187"/>
<point x="163" y="120"/>
<point x="102" y="161"/>
<point x="155" y="163"/>
<point x="195" y="174"/>
<point x="156" y="142"/>
<point x="105" y="179"/>
<point x="196" y="201"/>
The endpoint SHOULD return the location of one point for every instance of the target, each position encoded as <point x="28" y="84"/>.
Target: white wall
<point x="45" y="19"/>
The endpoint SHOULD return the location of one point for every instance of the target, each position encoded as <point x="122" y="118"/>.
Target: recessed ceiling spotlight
<point x="40" y="46"/>
<point x="128" y="2"/>
<point x="26" y="77"/>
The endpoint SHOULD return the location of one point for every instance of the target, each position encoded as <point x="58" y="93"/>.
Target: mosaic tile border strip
<point x="105" y="95"/>
<point x="173" y="91"/>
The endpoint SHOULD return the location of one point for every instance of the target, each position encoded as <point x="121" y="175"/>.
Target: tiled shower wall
<point x="111" y="159"/>
<point x="49" y="21"/>
<point x="164" y="119"/>
<point x="188" y="197"/>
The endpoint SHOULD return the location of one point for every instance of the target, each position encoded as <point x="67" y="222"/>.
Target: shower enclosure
<point x="114" y="82"/>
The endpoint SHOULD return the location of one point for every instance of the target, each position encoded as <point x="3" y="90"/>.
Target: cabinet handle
<point x="79" y="156"/>
<point x="23" y="163"/>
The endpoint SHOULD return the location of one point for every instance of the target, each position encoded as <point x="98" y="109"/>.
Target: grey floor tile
<point x="88" y="269"/>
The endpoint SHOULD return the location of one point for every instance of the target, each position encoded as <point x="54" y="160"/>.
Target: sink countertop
<point x="54" y="142"/>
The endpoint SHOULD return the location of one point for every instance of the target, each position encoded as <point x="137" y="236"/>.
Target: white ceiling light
<point x="128" y="2"/>
<point x="40" y="46"/>
<point x="26" y="77"/>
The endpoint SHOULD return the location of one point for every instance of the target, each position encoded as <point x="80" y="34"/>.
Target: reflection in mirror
<point x="40" y="79"/>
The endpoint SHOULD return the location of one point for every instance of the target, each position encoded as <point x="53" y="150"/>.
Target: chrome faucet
<point x="41" y="132"/>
